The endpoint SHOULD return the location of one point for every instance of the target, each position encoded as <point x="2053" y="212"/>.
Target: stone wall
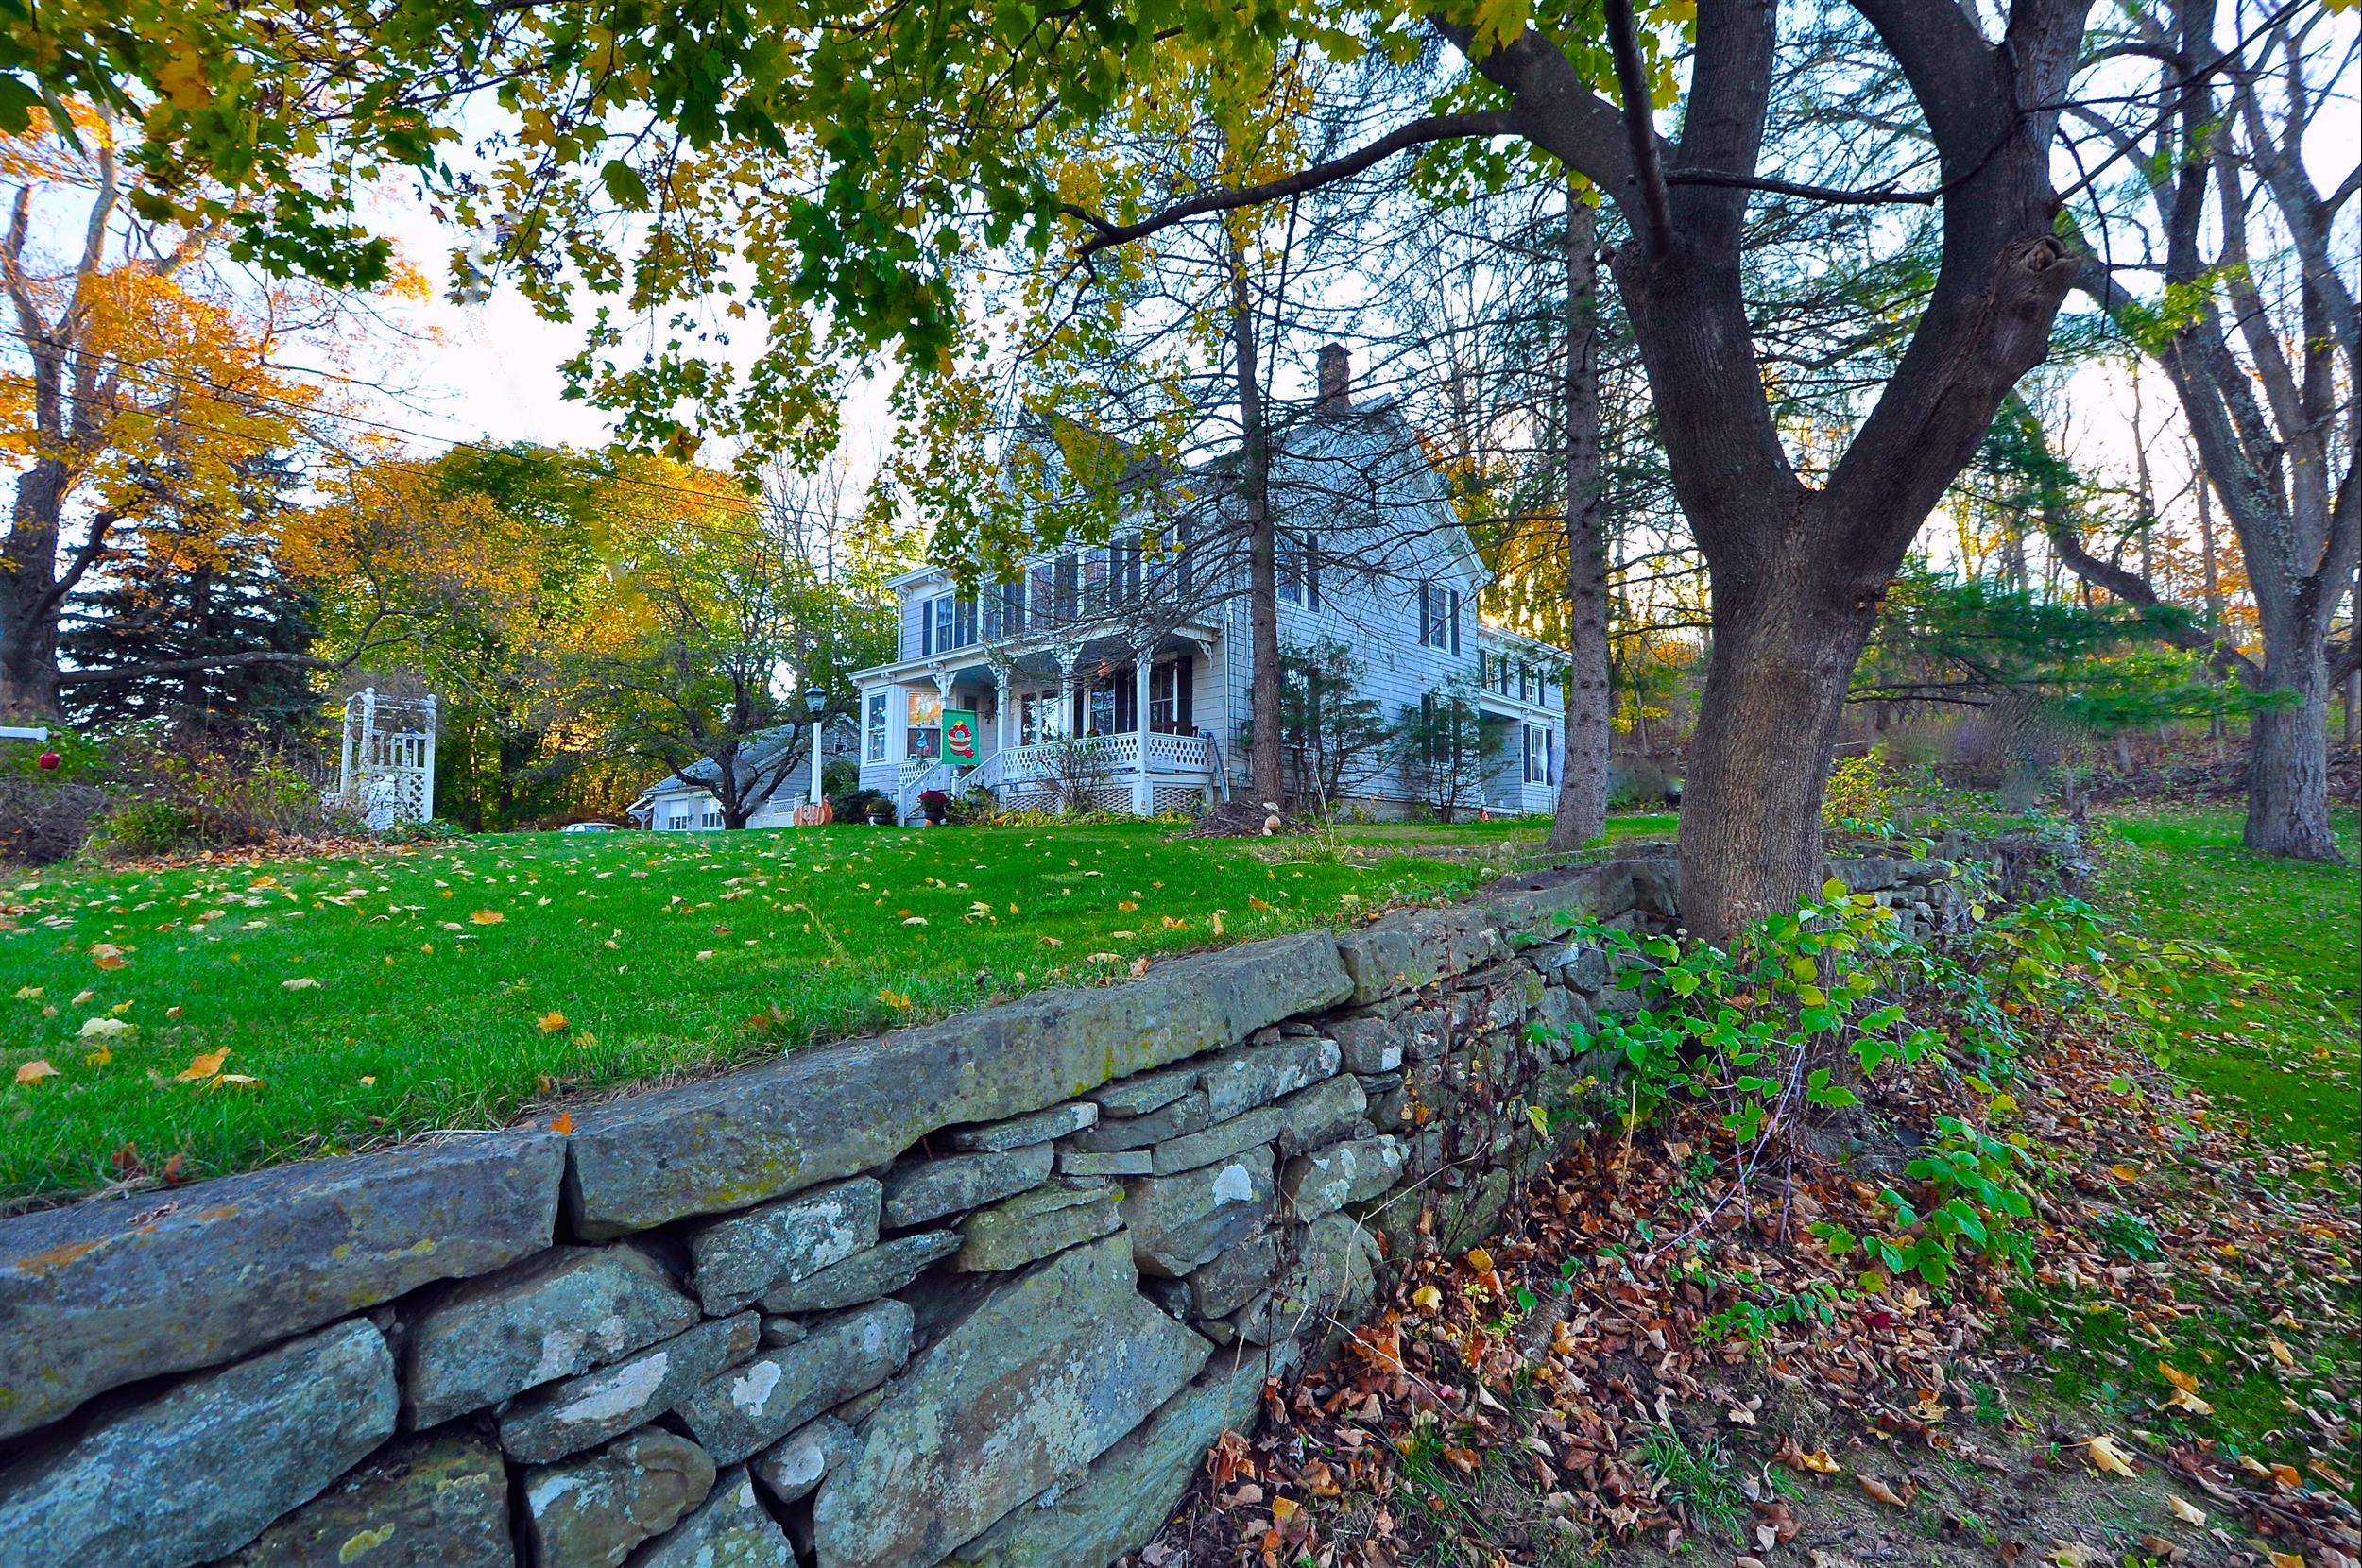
<point x="979" y="1293"/>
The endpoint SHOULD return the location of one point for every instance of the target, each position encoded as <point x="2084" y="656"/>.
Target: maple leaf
<point x="102" y="1029"/>
<point x="551" y="1022"/>
<point x="487" y="918"/>
<point x="563" y="1122"/>
<point x="107" y="955"/>
<point x="34" y="1071"/>
<point x="2107" y="1456"/>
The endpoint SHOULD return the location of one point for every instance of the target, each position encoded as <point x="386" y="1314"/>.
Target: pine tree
<point x="181" y="589"/>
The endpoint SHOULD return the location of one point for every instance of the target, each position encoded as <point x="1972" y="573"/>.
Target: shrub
<point x="43" y="821"/>
<point x="1861" y="794"/>
<point x="860" y="805"/>
<point x="934" y="804"/>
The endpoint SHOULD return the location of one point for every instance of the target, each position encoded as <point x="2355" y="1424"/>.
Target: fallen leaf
<point x="98" y="1058"/>
<point x="551" y="1022"/>
<point x="487" y="918"/>
<point x="35" y="1070"/>
<point x="1426" y="1297"/>
<point x="2105" y="1456"/>
<point x="301" y="982"/>
<point x="202" y="1066"/>
<point x="107" y="955"/>
<point x="102" y="1029"/>
<point x="1886" y="1494"/>
<point x="2188" y="1512"/>
<point x="563" y="1122"/>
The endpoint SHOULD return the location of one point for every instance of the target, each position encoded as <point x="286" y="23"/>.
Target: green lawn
<point x="2288" y="1051"/>
<point x="459" y="984"/>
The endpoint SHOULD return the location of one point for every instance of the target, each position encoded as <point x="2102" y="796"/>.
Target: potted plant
<point x="936" y="805"/>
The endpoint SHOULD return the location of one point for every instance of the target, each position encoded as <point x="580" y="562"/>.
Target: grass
<point x="467" y="984"/>
<point x="463" y="984"/>
<point x="2288" y="1051"/>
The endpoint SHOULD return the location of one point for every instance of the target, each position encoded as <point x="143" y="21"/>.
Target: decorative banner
<point x="959" y="737"/>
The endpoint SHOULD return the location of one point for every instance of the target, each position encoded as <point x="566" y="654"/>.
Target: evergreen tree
<point x="183" y="597"/>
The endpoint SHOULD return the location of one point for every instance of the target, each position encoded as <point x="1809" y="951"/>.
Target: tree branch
<point x="1419" y="132"/>
<point x="1654" y="218"/>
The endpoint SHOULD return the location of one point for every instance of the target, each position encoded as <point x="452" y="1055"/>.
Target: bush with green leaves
<point x="1804" y="1008"/>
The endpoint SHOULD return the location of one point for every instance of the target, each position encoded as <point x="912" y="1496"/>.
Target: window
<point x="1041" y="592"/>
<point x="1541" y="748"/>
<point x="1168" y="696"/>
<point x="1067" y="578"/>
<point x="679" y="822"/>
<point x="874" y="728"/>
<point x="1123" y="573"/>
<point x="713" y="816"/>
<point x="1530" y="684"/>
<point x="1037" y="718"/>
<point x="923" y="725"/>
<point x="1439" y="617"/>
<point x="1004" y="610"/>
<point x="1298" y="568"/>
<point x="949" y="623"/>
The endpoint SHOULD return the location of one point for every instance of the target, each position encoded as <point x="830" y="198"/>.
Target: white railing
<point x="1114" y="759"/>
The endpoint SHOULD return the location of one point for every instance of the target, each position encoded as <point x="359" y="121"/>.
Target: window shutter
<point x="1423" y="613"/>
<point x="1454" y="606"/>
<point x="914" y="627"/>
<point x="1184" y="675"/>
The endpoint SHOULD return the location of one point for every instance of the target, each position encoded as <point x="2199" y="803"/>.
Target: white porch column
<point x="999" y="705"/>
<point x="1143" y="792"/>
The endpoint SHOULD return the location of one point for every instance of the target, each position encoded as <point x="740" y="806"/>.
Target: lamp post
<point x="814" y="701"/>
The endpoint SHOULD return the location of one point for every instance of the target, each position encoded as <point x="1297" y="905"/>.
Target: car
<point x="589" y="828"/>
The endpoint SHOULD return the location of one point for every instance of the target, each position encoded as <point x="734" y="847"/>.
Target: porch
<point x="1090" y="722"/>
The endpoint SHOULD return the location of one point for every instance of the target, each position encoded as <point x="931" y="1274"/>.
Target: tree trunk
<point x="29" y="572"/>
<point x="1265" y="677"/>
<point x="195" y="721"/>
<point x="1751" y="840"/>
<point x="2287" y="777"/>
<point x="1581" y="814"/>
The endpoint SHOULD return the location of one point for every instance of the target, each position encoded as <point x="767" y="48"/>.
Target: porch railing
<point x="1114" y="759"/>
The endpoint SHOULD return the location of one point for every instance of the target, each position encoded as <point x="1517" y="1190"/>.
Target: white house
<point x="1131" y="661"/>
<point x="684" y="802"/>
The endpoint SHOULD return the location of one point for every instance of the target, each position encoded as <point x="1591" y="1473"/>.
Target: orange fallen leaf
<point x="35" y="1070"/>
<point x="563" y="1122"/>
<point x="487" y="918"/>
<point x="107" y="955"/>
<point x="202" y="1066"/>
<point x="1884" y="1492"/>
<point x="551" y="1022"/>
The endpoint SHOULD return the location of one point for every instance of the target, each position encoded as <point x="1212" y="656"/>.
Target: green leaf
<point x="625" y="185"/>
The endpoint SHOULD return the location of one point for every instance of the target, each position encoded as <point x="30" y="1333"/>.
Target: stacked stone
<point x="979" y="1293"/>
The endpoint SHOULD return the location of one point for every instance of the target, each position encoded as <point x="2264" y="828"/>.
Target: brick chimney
<point x="1336" y="365"/>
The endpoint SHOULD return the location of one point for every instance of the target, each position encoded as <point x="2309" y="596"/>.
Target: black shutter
<point x="1184" y="675"/>
<point x="1453" y="604"/>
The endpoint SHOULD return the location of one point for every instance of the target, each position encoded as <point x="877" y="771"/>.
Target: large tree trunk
<point x="28" y="577"/>
<point x="2288" y="780"/>
<point x="1751" y="840"/>
<point x="1581" y="814"/>
<point x="1265" y="677"/>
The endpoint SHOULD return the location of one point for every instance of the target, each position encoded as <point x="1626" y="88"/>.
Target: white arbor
<point x="387" y="765"/>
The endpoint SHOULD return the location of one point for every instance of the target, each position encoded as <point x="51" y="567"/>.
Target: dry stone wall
<point x="979" y="1293"/>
